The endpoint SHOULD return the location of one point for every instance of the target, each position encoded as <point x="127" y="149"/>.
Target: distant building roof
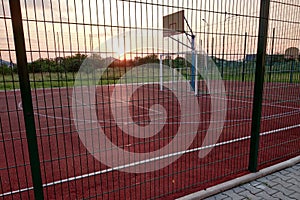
<point x="10" y="64"/>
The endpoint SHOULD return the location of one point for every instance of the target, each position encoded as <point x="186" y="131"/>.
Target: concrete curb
<point x="241" y="180"/>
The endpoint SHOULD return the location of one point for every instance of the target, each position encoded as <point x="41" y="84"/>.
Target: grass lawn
<point x="112" y="76"/>
<point x="283" y="77"/>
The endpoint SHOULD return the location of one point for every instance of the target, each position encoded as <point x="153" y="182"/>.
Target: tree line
<point x="72" y="63"/>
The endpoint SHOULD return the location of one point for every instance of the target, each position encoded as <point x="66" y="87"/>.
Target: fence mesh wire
<point x="121" y="95"/>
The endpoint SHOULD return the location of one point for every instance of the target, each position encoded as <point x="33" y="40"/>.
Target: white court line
<point x="129" y="102"/>
<point x="120" y="101"/>
<point x="264" y="104"/>
<point x="67" y="118"/>
<point x="34" y="95"/>
<point x="238" y="100"/>
<point x="296" y="111"/>
<point x="55" y="117"/>
<point x="120" y="118"/>
<point x="85" y="121"/>
<point x="278" y="115"/>
<point x="148" y="160"/>
<point x="269" y="117"/>
<point x="274" y="85"/>
<point x="16" y="191"/>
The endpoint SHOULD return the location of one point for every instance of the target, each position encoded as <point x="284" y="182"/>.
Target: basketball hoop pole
<point x="193" y="64"/>
<point x="193" y="71"/>
<point x="175" y="22"/>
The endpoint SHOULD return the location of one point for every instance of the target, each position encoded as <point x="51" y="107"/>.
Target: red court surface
<point x="69" y="171"/>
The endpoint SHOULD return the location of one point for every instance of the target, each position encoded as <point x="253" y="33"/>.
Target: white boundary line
<point x="268" y="117"/>
<point x="264" y="104"/>
<point x="230" y="82"/>
<point x="148" y="160"/>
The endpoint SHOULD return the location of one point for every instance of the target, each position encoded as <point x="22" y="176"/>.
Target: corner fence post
<point x="16" y="17"/>
<point x="259" y="83"/>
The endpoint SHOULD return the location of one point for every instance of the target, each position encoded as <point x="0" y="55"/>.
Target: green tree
<point x="73" y="63"/>
<point x="4" y="69"/>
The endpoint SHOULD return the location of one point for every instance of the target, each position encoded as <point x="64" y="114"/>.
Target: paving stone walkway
<point x="284" y="184"/>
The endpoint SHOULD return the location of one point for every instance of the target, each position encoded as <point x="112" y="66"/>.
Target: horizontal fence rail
<point x="144" y="99"/>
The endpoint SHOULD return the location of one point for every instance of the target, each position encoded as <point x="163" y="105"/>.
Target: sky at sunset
<point x="60" y="28"/>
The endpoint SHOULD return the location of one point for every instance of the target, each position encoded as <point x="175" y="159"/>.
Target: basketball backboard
<point x="173" y="24"/>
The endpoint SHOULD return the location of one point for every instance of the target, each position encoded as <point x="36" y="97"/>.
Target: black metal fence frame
<point x="28" y="106"/>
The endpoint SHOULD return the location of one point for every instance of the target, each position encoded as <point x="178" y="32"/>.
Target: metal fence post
<point x="259" y="82"/>
<point x="223" y="57"/>
<point x="17" y="25"/>
<point x="245" y="49"/>
<point x="292" y="71"/>
<point x="272" y="54"/>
